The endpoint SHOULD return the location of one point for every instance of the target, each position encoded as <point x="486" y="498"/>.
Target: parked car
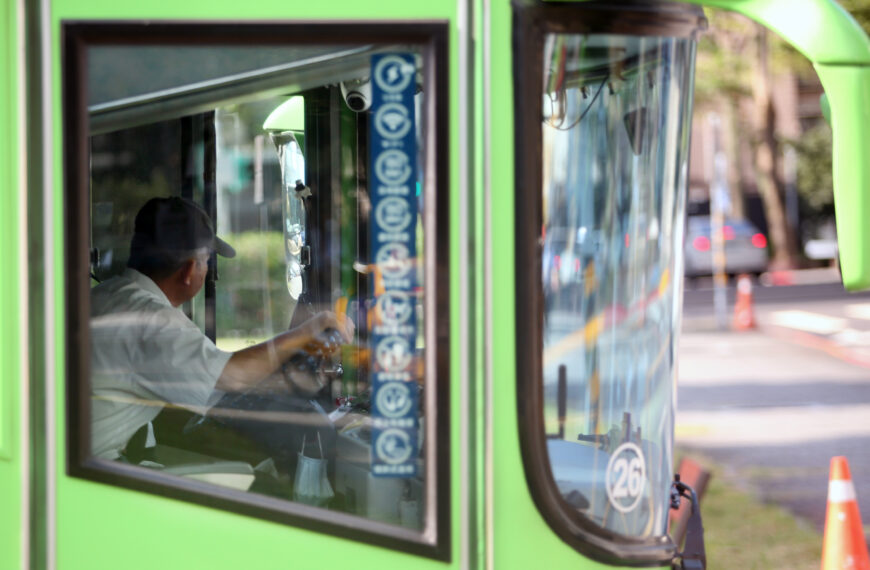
<point x="566" y="252"/>
<point x="745" y="247"/>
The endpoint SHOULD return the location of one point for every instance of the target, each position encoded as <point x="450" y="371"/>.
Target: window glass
<point x="615" y="133"/>
<point x="284" y="356"/>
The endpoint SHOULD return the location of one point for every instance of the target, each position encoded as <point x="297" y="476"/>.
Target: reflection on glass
<point x="294" y="279"/>
<point x="294" y="191"/>
<point x="161" y="398"/>
<point x="615" y="132"/>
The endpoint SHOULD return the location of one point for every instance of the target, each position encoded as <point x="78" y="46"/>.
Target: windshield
<point x="615" y="134"/>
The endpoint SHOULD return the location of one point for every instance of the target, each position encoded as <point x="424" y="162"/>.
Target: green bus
<point x="450" y="232"/>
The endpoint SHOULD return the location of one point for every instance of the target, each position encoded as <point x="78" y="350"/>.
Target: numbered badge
<point x="626" y="477"/>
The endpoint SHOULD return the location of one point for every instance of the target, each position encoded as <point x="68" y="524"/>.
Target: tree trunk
<point x="732" y="150"/>
<point x="770" y="183"/>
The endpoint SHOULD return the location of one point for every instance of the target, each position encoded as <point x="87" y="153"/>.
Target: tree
<point x="815" y="180"/>
<point x="721" y="83"/>
<point x="771" y="186"/>
<point x="736" y="62"/>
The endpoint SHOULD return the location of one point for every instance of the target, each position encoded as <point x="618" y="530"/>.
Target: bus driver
<point x="147" y="353"/>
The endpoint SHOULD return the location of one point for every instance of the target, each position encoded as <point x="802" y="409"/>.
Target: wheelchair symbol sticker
<point x="393" y="214"/>
<point x="394" y="307"/>
<point x="393" y="121"/>
<point x="626" y="477"/>
<point x="393" y="446"/>
<point x="393" y="73"/>
<point x="393" y="354"/>
<point x="393" y="400"/>
<point x="393" y="167"/>
<point x="393" y="260"/>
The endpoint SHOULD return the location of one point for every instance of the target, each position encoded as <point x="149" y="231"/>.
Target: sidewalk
<point x="772" y="411"/>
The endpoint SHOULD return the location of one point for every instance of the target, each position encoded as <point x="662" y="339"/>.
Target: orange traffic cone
<point x="744" y="317"/>
<point x="844" y="544"/>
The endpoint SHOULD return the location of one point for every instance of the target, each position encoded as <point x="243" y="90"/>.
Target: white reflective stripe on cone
<point x="840" y="491"/>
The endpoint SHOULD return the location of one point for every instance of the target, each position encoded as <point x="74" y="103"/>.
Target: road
<point x="774" y="404"/>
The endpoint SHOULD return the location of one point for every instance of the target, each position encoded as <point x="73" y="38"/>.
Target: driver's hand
<point x="315" y="331"/>
<point x="347" y="328"/>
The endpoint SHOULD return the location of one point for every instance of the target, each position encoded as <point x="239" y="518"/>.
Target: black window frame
<point x="433" y="38"/>
<point x="532" y="21"/>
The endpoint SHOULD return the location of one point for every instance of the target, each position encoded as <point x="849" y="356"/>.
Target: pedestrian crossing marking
<point x="807" y="321"/>
<point x="853" y="337"/>
<point x="858" y="311"/>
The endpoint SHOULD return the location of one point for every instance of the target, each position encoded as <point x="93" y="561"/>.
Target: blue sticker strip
<point x="393" y="191"/>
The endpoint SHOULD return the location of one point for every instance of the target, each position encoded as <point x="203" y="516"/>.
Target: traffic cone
<point x="844" y="544"/>
<point x="744" y="316"/>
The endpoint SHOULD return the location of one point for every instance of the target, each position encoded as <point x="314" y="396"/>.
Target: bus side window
<point x="258" y="276"/>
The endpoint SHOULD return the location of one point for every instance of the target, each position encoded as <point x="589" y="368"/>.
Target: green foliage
<point x="815" y="182"/>
<point x="252" y="291"/>
<point x="722" y="68"/>
<point x="727" y="56"/>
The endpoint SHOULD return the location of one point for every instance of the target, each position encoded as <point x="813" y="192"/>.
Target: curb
<point x="786" y="277"/>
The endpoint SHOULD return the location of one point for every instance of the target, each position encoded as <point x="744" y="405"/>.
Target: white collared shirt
<point x="145" y="353"/>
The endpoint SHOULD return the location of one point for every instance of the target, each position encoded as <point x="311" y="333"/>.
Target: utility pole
<point x="720" y="203"/>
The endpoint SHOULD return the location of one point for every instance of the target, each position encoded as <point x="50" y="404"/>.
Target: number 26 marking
<point x="626" y="477"/>
<point x="629" y="478"/>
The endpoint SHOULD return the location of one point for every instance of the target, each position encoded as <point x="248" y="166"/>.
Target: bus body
<point x="492" y="191"/>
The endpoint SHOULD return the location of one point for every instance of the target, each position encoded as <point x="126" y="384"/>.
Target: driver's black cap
<point x="176" y="224"/>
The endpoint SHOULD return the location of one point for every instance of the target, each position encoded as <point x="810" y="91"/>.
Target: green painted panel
<point x="848" y="90"/>
<point x="102" y="527"/>
<point x="11" y="474"/>
<point x="252" y="11"/>
<point x="8" y="98"/>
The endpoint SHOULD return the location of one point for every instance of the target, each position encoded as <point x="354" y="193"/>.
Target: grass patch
<point x="740" y="532"/>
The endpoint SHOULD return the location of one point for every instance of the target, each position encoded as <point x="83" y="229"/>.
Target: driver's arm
<point x="249" y="366"/>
